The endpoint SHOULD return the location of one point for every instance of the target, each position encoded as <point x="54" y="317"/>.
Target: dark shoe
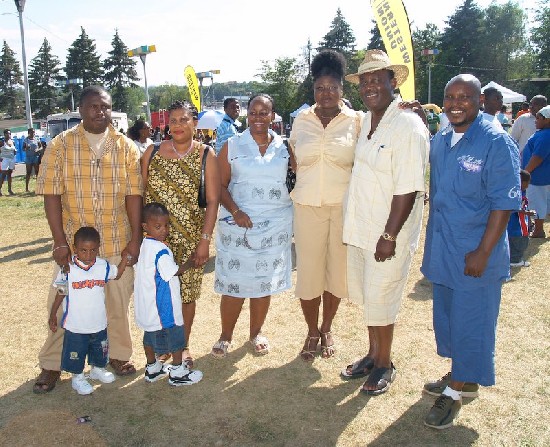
<point x="359" y="368"/>
<point x="436" y="387"/>
<point x="443" y="412"/>
<point x="122" y="367"/>
<point x="382" y="378"/>
<point x="46" y="381"/>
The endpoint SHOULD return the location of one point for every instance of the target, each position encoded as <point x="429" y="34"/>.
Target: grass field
<point x="275" y="400"/>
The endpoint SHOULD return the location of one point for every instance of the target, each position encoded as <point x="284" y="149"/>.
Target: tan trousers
<point x="117" y="301"/>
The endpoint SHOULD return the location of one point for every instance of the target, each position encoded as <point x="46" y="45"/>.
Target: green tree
<point x="10" y="78"/>
<point x="376" y="42"/>
<point x="43" y="72"/>
<point x="162" y="96"/>
<point x="340" y="36"/>
<point x="504" y="29"/>
<point x="428" y="38"/>
<point x="83" y="62"/>
<point x="540" y="36"/>
<point x="135" y="97"/>
<point x="304" y="93"/>
<point x="458" y="51"/>
<point x="282" y="79"/>
<point x="120" y="72"/>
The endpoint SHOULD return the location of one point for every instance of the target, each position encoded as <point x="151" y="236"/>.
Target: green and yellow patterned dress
<point x="175" y="184"/>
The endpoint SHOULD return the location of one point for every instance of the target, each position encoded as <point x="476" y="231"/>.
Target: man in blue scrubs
<point x="474" y="184"/>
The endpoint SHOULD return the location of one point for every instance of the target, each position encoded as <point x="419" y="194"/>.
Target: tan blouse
<point x="324" y="156"/>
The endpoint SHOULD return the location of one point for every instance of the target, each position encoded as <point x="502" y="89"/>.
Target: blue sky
<point x="233" y="36"/>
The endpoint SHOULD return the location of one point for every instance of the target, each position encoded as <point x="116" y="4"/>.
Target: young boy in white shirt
<point x="157" y="301"/>
<point x="84" y="316"/>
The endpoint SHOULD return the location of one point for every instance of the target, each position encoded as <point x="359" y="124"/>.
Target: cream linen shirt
<point x="392" y="162"/>
<point x="324" y="156"/>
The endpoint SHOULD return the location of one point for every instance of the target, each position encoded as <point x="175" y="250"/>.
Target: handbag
<point x="290" y="179"/>
<point x="202" y="184"/>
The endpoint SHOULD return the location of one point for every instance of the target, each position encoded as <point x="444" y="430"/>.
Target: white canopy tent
<point x="299" y="109"/>
<point x="508" y="96"/>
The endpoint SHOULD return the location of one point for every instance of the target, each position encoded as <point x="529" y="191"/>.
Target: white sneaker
<point x="521" y="263"/>
<point x="180" y="376"/>
<point x="81" y="385"/>
<point x="102" y="375"/>
<point x="156" y="371"/>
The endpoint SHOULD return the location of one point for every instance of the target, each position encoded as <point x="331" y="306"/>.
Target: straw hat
<point x="378" y="60"/>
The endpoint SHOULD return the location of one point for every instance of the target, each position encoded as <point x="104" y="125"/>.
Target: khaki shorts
<point x="377" y="286"/>
<point x="320" y="253"/>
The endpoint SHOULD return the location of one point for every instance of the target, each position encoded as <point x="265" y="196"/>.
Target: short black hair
<point x="524" y="175"/>
<point x="153" y="209"/>
<point x="86" y="234"/>
<point x="184" y="105"/>
<point x="262" y="95"/>
<point x="328" y="63"/>
<point x="228" y="101"/>
<point x="92" y="90"/>
<point x="491" y="91"/>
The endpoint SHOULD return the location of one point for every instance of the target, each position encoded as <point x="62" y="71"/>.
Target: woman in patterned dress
<point x="254" y="232"/>
<point x="172" y="178"/>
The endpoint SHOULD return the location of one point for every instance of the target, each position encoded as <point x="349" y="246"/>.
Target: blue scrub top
<point x="538" y="144"/>
<point x="477" y="175"/>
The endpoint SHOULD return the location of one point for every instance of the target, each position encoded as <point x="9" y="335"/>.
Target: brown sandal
<point x="122" y="367"/>
<point x="46" y="381"/>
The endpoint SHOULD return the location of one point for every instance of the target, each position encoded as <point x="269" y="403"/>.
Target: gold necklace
<point x="180" y="156"/>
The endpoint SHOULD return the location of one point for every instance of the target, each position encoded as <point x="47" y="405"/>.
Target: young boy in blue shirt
<point x="157" y="301"/>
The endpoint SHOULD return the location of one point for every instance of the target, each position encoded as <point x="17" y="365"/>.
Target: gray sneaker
<point x="436" y="387"/>
<point x="443" y="412"/>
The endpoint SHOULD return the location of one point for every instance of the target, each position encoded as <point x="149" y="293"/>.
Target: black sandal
<point x="360" y="368"/>
<point x="382" y="378"/>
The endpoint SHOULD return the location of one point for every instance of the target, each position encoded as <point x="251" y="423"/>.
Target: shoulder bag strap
<point x="154" y="151"/>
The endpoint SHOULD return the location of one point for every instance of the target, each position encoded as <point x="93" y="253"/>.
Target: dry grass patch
<point x="275" y="400"/>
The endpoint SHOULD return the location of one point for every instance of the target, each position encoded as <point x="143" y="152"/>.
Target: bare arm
<point x="121" y="267"/>
<point x="476" y="261"/>
<point x="61" y="251"/>
<point x="401" y="206"/>
<point x="534" y="162"/>
<point x="213" y="191"/>
<point x="52" y="321"/>
<point x="133" y="209"/>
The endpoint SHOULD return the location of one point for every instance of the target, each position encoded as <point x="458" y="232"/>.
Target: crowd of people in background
<point x="354" y="215"/>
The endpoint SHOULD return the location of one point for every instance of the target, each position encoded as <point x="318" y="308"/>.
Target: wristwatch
<point x="206" y="236"/>
<point x="389" y="237"/>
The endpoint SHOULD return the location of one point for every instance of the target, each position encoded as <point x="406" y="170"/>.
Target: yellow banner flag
<point x="395" y="30"/>
<point x="193" y="86"/>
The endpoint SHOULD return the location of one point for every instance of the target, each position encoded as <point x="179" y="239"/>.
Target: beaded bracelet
<point x="235" y="212"/>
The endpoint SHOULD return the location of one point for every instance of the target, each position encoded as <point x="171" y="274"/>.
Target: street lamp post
<point x="142" y="52"/>
<point x="430" y="54"/>
<point x="20" y="5"/>
<point x="202" y="75"/>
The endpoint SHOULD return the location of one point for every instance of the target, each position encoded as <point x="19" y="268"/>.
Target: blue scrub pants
<point x="465" y="324"/>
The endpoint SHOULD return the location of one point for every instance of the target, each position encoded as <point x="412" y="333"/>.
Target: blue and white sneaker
<point x="155" y="372"/>
<point x="180" y="376"/>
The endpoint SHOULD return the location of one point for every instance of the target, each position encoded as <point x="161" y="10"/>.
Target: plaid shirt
<point x="93" y="190"/>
